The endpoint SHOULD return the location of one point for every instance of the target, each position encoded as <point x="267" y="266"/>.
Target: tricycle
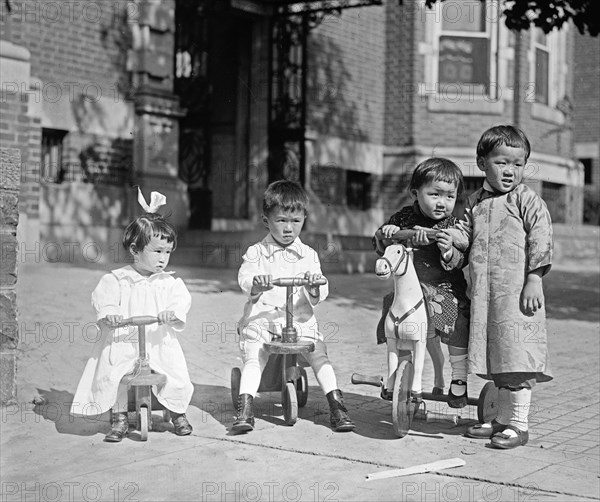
<point x="282" y="372"/>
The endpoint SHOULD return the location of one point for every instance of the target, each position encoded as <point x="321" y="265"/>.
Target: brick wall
<point x="79" y="84"/>
<point x="345" y="83"/>
<point x="10" y="166"/>
<point x="587" y="91"/>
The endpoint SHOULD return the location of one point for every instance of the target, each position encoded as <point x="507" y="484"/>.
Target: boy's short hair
<point x="284" y="194"/>
<point x="141" y="230"/>
<point x="506" y="135"/>
<point x="436" y="169"/>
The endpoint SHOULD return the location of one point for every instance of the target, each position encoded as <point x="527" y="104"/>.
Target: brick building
<point x="207" y="101"/>
<point x="586" y="123"/>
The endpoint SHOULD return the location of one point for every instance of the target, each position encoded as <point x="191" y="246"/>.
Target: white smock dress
<point x="126" y="292"/>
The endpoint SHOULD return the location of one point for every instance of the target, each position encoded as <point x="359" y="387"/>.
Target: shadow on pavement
<point x="572" y="295"/>
<point x="55" y="406"/>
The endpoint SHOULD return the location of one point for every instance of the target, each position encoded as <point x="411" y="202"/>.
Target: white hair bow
<point x="157" y="199"/>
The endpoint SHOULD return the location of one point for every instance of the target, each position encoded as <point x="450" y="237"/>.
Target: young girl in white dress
<point x="142" y="288"/>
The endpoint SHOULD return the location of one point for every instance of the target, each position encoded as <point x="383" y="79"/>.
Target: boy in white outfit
<point x="282" y="254"/>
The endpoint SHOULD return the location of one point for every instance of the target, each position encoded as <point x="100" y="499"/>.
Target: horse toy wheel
<point x="401" y="410"/>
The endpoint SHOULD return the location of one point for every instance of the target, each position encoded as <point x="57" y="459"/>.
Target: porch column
<point x="157" y="111"/>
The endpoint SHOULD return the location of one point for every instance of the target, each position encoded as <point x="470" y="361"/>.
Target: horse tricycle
<point x="142" y="379"/>
<point x="282" y="372"/>
<point x="406" y="322"/>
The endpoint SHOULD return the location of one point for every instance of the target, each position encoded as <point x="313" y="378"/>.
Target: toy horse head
<point x="393" y="262"/>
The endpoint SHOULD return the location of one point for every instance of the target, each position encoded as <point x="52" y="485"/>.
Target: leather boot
<point x="119" y="429"/>
<point x="181" y="426"/>
<point x="340" y="421"/>
<point x="244" y="421"/>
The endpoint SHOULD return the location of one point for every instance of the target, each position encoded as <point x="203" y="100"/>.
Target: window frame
<point x="52" y="144"/>
<point x="556" y="44"/>
<point x="491" y="33"/>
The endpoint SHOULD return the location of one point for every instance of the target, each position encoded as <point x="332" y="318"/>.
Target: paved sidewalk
<point x="46" y="455"/>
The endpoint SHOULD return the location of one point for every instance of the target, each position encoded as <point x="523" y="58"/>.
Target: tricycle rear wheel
<point x="487" y="404"/>
<point x="236" y="378"/>
<point x="302" y="388"/>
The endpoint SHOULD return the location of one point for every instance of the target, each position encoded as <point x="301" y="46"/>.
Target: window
<point x="52" y="155"/>
<point x="542" y="66"/>
<point x="587" y="171"/>
<point x="337" y="186"/>
<point x="465" y="41"/>
<point x="358" y="190"/>
<point x="548" y="71"/>
<point x="554" y="196"/>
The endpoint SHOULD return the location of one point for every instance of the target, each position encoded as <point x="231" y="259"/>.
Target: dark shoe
<point x="119" y="428"/>
<point x="438" y="391"/>
<point x="455" y="401"/>
<point x="244" y="421"/>
<point x="478" y="431"/>
<point x="338" y="417"/>
<point x="181" y="426"/>
<point x="385" y="394"/>
<point x="506" y="442"/>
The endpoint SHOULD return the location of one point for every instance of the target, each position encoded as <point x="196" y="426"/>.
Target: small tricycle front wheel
<point x="289" y="402"/>
<point x="144" y="423"/>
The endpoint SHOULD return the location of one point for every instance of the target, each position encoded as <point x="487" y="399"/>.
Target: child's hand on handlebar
<point x="420" y="238"/>
<point x="388" y="231"/>
<point x="111" y="320"/>
<point x="261" y="283"/>
<point x="313" y="289"/>
<point x="167" y="317"/>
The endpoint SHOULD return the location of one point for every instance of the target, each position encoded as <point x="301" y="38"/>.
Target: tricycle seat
<point x="299" y="347"/>
<point x="147" y="379"/>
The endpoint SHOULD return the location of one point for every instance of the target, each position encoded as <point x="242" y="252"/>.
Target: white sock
<point x="459" y="372"/>
<point x="250" y="380"/>
<point x="520" y="401"/>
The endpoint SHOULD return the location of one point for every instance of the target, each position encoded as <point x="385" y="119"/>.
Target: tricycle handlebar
<point x="297" y="281"/>
<point x="140" y="320"/>
<point x="404" y="235"/>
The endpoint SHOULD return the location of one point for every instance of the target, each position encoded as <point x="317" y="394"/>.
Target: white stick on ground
<point x="418" y="469"/>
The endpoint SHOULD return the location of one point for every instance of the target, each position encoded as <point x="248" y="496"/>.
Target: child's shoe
<point x="181" y="426"/>
<point x="385" y="394"/>
<point x="244" y="421"/>
<point x="508" y="441"/>
<point x="338" y="417"/>
<point x="484" y="431"/>
<point x="460" y="400"/>
<point x="119" y="427"/>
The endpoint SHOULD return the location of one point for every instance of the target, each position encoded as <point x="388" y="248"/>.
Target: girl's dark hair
<point x="436" y="169"/>
<point x="284" y="194"/>
<point x="141" y="230"/>
<point x="506" y="135"/>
